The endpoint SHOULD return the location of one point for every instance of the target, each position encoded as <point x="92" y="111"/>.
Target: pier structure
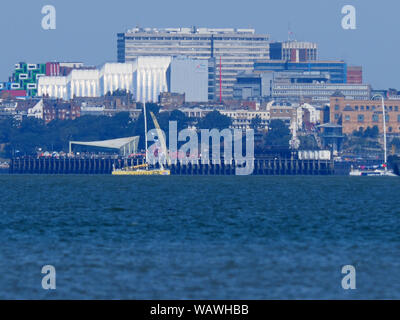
<point x="262" y="166"/>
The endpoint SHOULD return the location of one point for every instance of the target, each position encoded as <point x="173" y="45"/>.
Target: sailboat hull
<point x="155" y="172"/>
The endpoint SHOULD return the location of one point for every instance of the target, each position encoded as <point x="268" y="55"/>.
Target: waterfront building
<point x="231" y="50"/>
<point x="360" y="114"/>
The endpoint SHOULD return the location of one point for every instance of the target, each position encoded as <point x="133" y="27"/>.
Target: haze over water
<point x="199" y="237"/>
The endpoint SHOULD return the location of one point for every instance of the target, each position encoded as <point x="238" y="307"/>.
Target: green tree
<point x="214" y="120"/>
<point x="256" y="123"/>
<point x="278" y="134"/>
<point x="308" y="143"/>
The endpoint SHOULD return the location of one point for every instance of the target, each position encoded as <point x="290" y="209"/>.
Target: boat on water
<point x="372" y="172"/>
<point x="144" y="169"/>
<point x="383" y="170"/>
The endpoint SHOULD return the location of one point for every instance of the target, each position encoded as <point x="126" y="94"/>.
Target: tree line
<point x="27" y="136"/>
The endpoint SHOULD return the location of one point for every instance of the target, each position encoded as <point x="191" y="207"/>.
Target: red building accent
<point x="354" y="75"/>
<point x="52" y="69"/>
<point x="14" y="93"/>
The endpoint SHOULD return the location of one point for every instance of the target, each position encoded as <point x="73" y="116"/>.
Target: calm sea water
<point x="199" y="237"/>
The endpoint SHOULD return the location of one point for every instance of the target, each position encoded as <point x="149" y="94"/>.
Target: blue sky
<point x="86" y="29"/>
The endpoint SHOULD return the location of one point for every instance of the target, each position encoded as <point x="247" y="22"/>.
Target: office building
<point x="293" y="51"/>
<point x="259" y="85"/>
<point x="336" y="69"/>
<point x="231" y="50"/>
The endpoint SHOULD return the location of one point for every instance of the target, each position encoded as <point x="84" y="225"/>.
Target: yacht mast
<point x="145" y="129"/>
<point x="384" y="133"/>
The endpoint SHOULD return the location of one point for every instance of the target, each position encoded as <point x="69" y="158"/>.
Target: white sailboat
<point x="143" y="169"/>
<point x="378" y="171"/>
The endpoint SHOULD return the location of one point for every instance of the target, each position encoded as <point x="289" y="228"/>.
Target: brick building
<point x="356" y="114"/>
<point x="56" y="109"/>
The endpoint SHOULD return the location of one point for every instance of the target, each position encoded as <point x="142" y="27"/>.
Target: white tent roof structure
<point x="124" y="145"/>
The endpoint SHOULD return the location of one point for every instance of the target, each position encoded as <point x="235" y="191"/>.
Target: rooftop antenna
<point x="290" y="33"/>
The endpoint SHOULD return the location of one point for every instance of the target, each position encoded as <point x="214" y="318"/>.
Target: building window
<point x="336" y="116"/>
<point x="375" y="118"/>
<point x="398" y="118"/>
<point x="356" y="107"/>
<point x="396" y="108"/>
<point x="360" y="118"/>
<point x="347" y="118"/>
<point x="390" y="129"/>
<point x="337" y="107"/>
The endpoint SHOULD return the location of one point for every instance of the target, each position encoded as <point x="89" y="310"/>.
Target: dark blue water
<point x="199" y="237"/>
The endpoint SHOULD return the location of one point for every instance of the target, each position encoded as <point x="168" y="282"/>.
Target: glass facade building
<point x="336" y="69"/>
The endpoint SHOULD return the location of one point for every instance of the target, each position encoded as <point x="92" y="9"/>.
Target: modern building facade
<point x="24" y="80"/>
<point x="233" y="50"/>
<point x="293" y="51"/>
<point x="111" y="77"/>
<point x="336" y="69"/>
<point x="259" y="85"/>
<point x="145" y="77"/>
<point x="361" y="114"/>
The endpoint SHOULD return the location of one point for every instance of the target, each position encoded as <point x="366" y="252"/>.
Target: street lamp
<point x="384" y="128"/>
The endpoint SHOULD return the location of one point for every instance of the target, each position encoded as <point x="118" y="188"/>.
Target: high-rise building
<point x="294" y="51"/>
<point x="232" y="50"/>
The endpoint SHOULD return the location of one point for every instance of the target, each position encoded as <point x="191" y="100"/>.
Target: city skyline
<point x="66" y="43"/>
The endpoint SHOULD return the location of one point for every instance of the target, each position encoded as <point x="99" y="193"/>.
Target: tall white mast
<point x="145" y="129"/>
<point x="384" y="133"/>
